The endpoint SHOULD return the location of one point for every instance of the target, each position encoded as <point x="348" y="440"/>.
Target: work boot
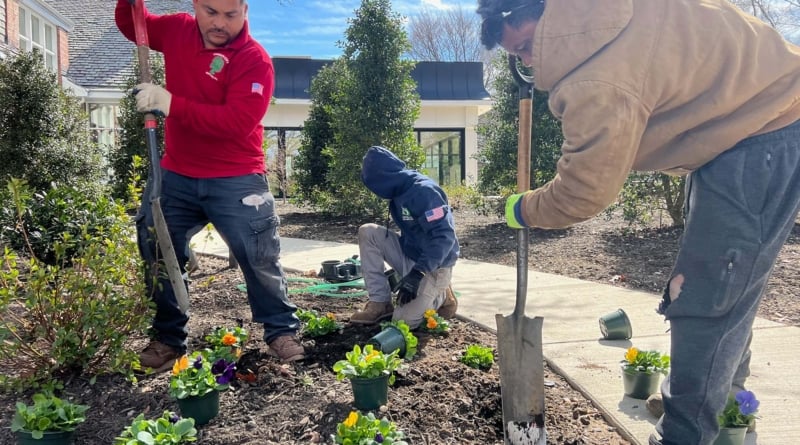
<point x="287" y="348"/>
<point x="158" y="357"/>
<point x="373" y="312"/>
<point x="448" y="309"/>
<point x="655" y="404"/>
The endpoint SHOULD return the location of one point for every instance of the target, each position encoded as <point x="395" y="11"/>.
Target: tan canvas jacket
<point x="652" y="85"/>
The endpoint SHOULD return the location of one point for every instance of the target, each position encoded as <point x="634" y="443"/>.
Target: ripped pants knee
<point x="671" y="293"/>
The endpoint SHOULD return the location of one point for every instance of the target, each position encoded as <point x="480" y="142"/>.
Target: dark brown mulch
<point x="436" y="399"/>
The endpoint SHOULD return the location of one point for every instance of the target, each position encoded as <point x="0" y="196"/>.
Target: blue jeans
<point x="242" y="211"/>
<point x="740" y="209"/>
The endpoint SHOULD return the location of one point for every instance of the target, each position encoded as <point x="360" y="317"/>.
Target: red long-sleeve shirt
<point x="219" y="96"/>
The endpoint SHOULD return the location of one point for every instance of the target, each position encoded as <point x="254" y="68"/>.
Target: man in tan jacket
<point x="691" y="87"/>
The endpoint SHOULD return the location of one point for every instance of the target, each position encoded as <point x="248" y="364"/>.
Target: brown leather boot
<point x="158" y="357"/>
<point x="373" y="313"/>
<point x="448" y="309"/>
<point x="287" y="348"/>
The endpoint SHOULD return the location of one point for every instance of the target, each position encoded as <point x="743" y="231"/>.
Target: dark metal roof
<point x="99" y="55"/>
<point x="435" y="80"/>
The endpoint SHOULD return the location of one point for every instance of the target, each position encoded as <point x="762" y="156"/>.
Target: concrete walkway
<point x="573" y="345"/>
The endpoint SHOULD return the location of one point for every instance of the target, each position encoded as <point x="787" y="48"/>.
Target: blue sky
<point x="312" y="27"/>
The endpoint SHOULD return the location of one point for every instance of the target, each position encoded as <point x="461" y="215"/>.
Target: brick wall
<point x="12" y="23"/>
<point x="63" y="52"/>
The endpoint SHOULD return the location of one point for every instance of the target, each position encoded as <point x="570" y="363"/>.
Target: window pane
<point x="442" y="156"/>
<point x="23" y="22"/>
<point x="49" y="38"/>
<point x="50" y="61"/>
<point x="36" y="36"/>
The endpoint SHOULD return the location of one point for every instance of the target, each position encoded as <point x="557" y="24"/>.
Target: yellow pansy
<point x="630" y="356"/>
<point x="180" y="364"/>
<point x="331" y="316"/>
<point x="432" y="323"/>
<point x="372" y="355"/>
<point x="229" y="339"/>
<point x="429" y="313"/>
<point x="351" y="419"/>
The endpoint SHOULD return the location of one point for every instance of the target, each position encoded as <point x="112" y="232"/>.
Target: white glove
<point x="152" y="98"/>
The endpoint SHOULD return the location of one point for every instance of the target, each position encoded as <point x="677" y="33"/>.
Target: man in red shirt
<point x="219" y="81"/>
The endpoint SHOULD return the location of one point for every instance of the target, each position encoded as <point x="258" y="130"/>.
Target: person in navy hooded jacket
<point x="423" y="253"/>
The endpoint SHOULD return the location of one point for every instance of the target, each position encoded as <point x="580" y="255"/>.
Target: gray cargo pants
<point x="376" y="245"/>
<point x="740" y="209"/>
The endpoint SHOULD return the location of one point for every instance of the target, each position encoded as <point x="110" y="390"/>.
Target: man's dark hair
<point x="496" y="13"/>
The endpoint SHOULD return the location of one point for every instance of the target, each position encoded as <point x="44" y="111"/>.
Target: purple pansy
<point x="379" y="437"/>
<point x="174" y="418"/>
<point x="748" y="404"/>
<point x="224" y="371"/>
<point x="198" y="362"/>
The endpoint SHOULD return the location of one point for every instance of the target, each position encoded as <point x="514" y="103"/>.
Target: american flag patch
<point x="434" y="214"/>
<point x="257" y="88"/>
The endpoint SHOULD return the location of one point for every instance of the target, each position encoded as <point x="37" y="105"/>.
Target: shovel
<point x="162" y="233"/>
<point x="519" y="338"/>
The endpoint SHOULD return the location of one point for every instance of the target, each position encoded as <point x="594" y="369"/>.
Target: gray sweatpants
<point x="376" y="245"/>
<point x="740" y="209"/>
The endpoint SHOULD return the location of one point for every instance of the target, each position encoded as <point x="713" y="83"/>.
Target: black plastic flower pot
<point x="640" y="385"/>
<point x="49" y="438"/>
<point x="616" y="326"/>
<point x="390" y="339"/>
<point x="200" y="408"/>
<point x="369" y="394"/>
<point x="731" y="436"/>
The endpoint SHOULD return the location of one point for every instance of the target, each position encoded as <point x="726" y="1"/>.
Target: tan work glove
<point x="152" y="98"/>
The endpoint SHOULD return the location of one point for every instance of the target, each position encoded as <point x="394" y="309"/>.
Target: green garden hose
<point x="322" y="287"/>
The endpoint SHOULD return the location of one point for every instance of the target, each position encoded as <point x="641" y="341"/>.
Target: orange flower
<point x="180" y="364"/>
<point x="229" y="339"/>
<point x="432" y="323"/>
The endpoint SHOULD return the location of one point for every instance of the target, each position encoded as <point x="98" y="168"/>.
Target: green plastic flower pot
<point x="616" y="326"/>
<point x="202" y="408"/>
<point x="640" y="385"/>
<point x="390" y="339"/>
<point x="731" y="436"/>
<point x="50" y="438"/>
<point x="369" y="394"/>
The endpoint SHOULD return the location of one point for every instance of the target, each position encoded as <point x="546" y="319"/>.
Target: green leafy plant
<point x="647" y="362"/>
<point x="434" y="323"/>
<point x="196" y="375"/>
<point x="410" y="338"/>
<point x="226" y="343"/>
<point x="169" y="429"/>
<point x="740" y="410"/>
<point x="367" y="363"/>
<point x="477" y="356"/>
<point x="317" y="325"/>
<point x="48" y="413"/>
<point x="75" y="311"/>
<point x="360" y="429"/>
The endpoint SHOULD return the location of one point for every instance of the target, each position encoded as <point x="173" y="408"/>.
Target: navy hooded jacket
<point x="418" y="206"/>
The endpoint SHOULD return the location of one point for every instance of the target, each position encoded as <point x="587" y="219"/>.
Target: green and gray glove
<point x="514" y="211"/>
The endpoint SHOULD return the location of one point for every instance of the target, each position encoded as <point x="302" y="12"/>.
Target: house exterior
<point x="80" y="41"/>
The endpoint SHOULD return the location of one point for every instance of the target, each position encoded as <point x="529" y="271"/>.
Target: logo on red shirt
<point x="217" y="64"/>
